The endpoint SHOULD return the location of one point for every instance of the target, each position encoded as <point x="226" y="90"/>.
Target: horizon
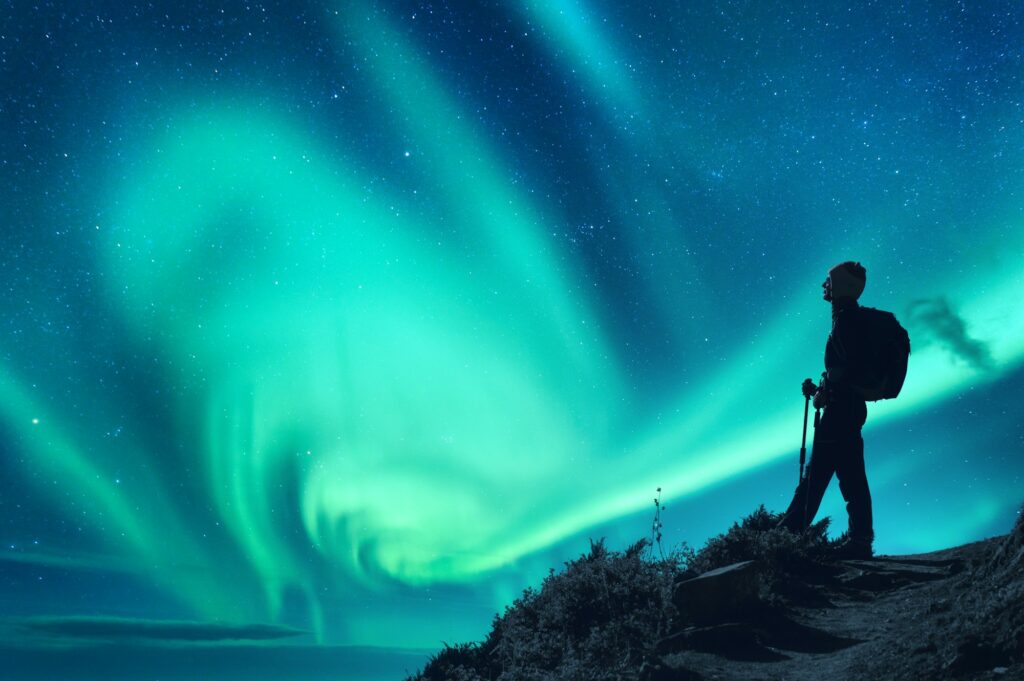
<point x="335" y="326"/>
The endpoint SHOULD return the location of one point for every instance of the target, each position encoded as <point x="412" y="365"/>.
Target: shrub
<point x="453" y="663"/>
<point x="757" y="538"/>
<point x="601" y="615"/>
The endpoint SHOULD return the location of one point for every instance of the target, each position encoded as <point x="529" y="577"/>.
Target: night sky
<point x="330" y="327"/>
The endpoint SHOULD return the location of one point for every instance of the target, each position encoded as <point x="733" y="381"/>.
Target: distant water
<point x="209" y="663"/>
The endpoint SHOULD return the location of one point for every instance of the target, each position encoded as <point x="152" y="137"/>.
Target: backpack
<point x="888" y="349"/>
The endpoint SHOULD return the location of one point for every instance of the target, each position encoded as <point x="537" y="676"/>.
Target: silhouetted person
<point x="837" y="446"/>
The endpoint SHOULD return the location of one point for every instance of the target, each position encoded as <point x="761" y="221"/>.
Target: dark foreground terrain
<point x="758" y="603"/>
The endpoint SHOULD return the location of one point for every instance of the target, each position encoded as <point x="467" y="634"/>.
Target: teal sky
<point x="349" y="320"/>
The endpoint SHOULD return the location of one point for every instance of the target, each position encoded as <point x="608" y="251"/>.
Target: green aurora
<point x="383" y="391"/>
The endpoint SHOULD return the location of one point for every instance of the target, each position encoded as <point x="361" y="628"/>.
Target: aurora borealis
<point x="349" y="320"/>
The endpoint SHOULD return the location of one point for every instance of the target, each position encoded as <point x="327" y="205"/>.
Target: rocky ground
<point x="757" y="603"/>
<point x="928" y="616"/>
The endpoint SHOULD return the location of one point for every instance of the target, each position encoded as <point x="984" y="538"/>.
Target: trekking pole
<point x="807" y="486"/>
<point x="808" y="389"/>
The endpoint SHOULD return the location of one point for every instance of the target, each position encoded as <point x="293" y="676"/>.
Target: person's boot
<point x="853" y="548"/>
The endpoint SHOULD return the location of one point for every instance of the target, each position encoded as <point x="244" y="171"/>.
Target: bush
<point x="757" y="538"/>
<point x="600" y="616"/>
<point x="603" y="615"/>
<point x="454" y="663"/>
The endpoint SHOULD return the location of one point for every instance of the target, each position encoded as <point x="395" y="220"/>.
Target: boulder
<point x="717" y="595"/>
<point x="733" y="641"/>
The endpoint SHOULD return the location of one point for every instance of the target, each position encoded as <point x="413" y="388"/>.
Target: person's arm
<point x="821" y="396"/>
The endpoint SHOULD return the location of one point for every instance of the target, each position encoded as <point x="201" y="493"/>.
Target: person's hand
<point x="808" y="388"/>
<point x="820" y="398"/>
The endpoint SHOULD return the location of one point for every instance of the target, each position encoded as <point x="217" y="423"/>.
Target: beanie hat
<point x="848" y="279"/>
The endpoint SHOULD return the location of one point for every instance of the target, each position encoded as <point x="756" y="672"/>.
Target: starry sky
<point x="328" y="327"/>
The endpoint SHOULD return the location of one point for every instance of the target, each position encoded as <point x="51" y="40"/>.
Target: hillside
<point x="759" y="603"/>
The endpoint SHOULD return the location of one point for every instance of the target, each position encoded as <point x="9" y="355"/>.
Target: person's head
<point x="845" y="281"/>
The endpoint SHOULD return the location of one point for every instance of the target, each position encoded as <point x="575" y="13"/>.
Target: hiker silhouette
<point x="838" y="447"/>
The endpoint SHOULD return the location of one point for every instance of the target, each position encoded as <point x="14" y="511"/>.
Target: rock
<point x="1010" y="554"/>
<point x="717" y="595"/>
<point x="889" y="576"/>
<point x="779" y="631"/>
<point x="973" y="655"/>
<point x="659" y="671"/>
<point x="732" y="641"/>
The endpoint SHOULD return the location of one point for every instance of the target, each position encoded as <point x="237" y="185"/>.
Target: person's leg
<point x="808" y="495"/>
<point x="853" y="483"/>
